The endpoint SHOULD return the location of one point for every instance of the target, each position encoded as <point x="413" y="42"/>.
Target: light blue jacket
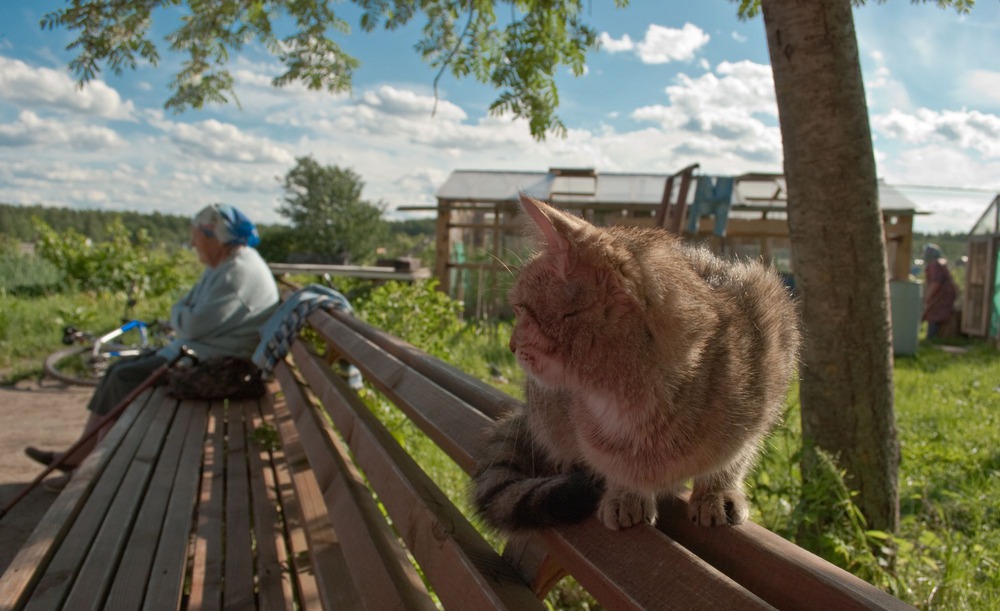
<point x="223" y="312"/>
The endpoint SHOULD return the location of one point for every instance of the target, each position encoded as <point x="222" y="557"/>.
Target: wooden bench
<point x="304" y="499"/>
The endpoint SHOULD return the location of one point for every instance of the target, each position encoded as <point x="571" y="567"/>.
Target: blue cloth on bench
<point x="278" y="332"/>
<point x="713" y="196"/>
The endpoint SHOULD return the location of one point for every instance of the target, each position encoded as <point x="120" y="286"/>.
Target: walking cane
<point x="111" y="416"/>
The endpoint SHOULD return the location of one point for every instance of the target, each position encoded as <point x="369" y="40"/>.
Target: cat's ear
<point x="540" y="215"/>
<point x="554" y="228"/>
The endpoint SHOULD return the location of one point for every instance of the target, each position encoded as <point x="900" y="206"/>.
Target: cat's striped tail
<point x="515" y="488"/>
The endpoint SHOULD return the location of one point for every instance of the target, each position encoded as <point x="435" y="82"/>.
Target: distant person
<point x="940" y="291"/>
<point x="220" y="316"/>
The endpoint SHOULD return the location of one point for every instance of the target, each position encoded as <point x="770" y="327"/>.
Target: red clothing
<point x="940" y="292"/>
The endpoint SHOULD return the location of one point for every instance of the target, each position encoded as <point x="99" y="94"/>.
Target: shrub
<point x="25" y="274"/>
<point x="123" y="263"/>
<point x="417" y="313"/>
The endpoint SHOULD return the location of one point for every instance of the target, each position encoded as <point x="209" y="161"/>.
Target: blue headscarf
<point x="228" y="224"/>
<point x="932" y="251"/>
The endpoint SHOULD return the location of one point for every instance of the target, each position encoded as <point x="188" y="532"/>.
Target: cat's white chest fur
<point x="605" y="415"/>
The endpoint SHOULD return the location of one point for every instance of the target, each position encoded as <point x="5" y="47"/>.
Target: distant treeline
<point x="169" y="230"/>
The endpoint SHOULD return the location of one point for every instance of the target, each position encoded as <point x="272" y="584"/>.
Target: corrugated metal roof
<point x="612" y="189"/>
<point x="490" y="186"/>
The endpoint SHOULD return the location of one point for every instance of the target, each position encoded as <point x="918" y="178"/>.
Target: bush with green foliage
<point x="331" y="223"/>
<point x="25" y="274"/>
<point x="416" y="312"/>
<point x="123" y="263"/>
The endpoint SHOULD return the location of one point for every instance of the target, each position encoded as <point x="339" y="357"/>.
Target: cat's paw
<point x="626" y="509"/>
<point x="728" y="507"/>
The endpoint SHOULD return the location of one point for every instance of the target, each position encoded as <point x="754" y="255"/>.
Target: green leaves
<point x="516" y="46"/>
<point x="123" y="263"/>
<point x="416" y="312"/>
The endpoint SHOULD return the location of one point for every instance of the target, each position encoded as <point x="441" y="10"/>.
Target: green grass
<point x="31" y="327"/>
<point x="947" y="414"/>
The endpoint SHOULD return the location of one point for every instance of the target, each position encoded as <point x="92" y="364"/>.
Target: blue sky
<point x="675" y="82"/>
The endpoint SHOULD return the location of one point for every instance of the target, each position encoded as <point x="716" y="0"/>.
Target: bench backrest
<point x="674" y="565"/>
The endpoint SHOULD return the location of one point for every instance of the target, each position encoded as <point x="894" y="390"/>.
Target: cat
<point x="649" y="363"/>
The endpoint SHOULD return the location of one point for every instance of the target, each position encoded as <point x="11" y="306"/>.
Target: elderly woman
<point x="940" y="291"/>
<point x="218" y="317"/>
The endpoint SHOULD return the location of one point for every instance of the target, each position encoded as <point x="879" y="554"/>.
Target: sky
<point x="675" y="82"/>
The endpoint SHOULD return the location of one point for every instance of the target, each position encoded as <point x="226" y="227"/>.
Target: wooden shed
<point x="981" y="300"/>
<point x="479" y="240"/>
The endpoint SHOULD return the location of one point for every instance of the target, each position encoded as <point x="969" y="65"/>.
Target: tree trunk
<point x="838" y="248"/>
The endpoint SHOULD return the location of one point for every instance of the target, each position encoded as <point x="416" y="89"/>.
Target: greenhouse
<point x="981" y="301"/>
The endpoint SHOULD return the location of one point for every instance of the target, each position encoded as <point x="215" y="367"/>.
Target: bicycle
<point x="86" y="364"/>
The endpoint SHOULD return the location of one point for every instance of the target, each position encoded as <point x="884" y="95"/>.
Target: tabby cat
<point x="649" y="363"/>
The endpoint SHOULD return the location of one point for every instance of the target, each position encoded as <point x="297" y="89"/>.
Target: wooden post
<point x="442" y="254"/>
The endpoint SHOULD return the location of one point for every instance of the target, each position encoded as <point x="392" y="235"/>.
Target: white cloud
<point x="882" y="90"/>
<point x="215" y="140"/>
<point x="965" y="129"/>
<point x="707" y="103"/>
<point x="662" y="45"/>
<point x="612" y="45"/>
<point x="31" y="130"/>
<point x="982" y="85"/>
<point x="392" y="101"/>
<point x="33" y="86"/>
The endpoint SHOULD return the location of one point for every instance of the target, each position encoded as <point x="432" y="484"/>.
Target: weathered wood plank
<point x="238" y="557"/>
<point x="464" y="570"/>
<point x="61" y="573"/>
<point x="640" y="568"/>
<point x="301" y="576"/>
<point x="390" y="581"/>
<point x="274" y="592"/>
<point x="128" y="587"/>
<point x="483" y="397"/>
<point x="26" y="570"/>
<point x="776" y="569"/>
<point x="166" y="582"/>
<point x="97" y="571"/>
<point x="206" y="573"/>
<point x="446" y="419"/>
<point x="332" y="569"/>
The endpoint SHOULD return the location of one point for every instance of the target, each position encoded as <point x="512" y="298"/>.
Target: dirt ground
<point x="49" y="415"/>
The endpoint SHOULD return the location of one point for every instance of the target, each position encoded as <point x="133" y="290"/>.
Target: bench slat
<point x="102" y="561"/>
<point x="166" y="582"/>
<point x="445" y="418"/>
<point x="271" y="551"/>
<point x="634" y="568"/>
<point x="129" y="585"/>
<point x="206" y="573"/>
<point x="390" y="581"/>
<point x="465" y="571"/>
<point x="779" y="571"/>
<point x="302" y="580"/>
<point x="27" y="569"/>
<point x="60" y="574"/>
<point x="486" y="399"/>
<point x="326" y="558"/>
<point x="238" y="570"/>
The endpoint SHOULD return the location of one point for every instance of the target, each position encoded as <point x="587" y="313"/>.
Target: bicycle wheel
<point x="75" y="365"/>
